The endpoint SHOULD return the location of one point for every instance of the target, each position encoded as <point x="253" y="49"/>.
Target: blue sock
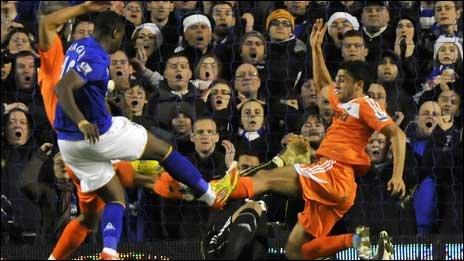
<point x="181" y="169"/>
<point x="111" y="224"/>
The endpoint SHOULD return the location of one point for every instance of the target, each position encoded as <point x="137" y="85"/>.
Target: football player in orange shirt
<point x="328" y="185"/>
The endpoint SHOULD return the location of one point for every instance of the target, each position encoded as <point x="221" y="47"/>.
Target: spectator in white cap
<point x="447" y="69"/>
<point x="197" y="31"/>
<point x="336" y="47"/>
<point x="338" y="24"/>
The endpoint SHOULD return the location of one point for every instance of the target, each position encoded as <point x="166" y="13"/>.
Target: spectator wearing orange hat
<point x="286" y="67"/>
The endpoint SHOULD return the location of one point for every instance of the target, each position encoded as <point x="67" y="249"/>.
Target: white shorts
<point x="91" y="163"/>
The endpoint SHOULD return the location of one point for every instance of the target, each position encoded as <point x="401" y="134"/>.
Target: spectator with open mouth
<point x="134" y="100"/>
<point x="197" y="37"/>
<point x="17" y="149"/>
<point x="120" y="71"/>
<point x="253" y="134"/>
<point x="208" y="69"/>
<point x="174" y="90"/>
<point x="253" y="48"/>
<point x="147" y="40"/>
<point x="22" y="87"/>
<point x="133" y="12"/>
<point x="221" y="102"/>
<point x="339" y="23"/>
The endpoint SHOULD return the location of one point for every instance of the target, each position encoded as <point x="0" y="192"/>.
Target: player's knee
<point x="89" y="220"/>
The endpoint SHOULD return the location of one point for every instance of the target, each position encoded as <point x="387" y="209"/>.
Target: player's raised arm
<point x="49" y="24"/>
<point x="64" y="90"/>
<point x="398" y="142"/>
<point x="320" y="72"/>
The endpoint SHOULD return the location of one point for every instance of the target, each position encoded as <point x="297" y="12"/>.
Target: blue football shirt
<point x="88" y="58"/>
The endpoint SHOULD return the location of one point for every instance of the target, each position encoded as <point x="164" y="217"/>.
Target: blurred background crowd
<point x="245" y="66"/>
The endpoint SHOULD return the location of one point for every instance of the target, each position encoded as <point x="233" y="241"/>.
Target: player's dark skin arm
<point x="64" y="90"/>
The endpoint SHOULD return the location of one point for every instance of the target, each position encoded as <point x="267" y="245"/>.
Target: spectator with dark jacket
<point x="339" y="23"/>
<point x="161" y="14"/>
<point x="227" y="33"/>
<point x="174" y="90"/>
<point x="390" y="75"/>
<point x="379" y="35"/>
<point x="53" y="197"/>
<point x="22" y="86"/>
<point x="285" y="57"/>
<point x="187" y="220"/>
<point x="301" y="13"/>
<point x="18" y="148"/>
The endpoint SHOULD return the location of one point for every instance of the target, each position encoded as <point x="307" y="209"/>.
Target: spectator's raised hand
<point x="14" y="105"/>
<point x="45" y="150"/>
<point x="137" y="65"/>
<point x="447" y="76"/>
<point x="230" y="152"/>
<point x="445" y="122"/>
<point x="250" y="21"/>
<point x="141" y="55"/>
<point x="409" y="48"/>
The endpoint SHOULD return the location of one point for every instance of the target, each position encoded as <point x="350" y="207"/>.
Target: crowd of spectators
<point x="224" y="81"/>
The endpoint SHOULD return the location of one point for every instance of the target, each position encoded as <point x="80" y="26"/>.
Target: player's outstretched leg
<point x="181" y="169"/>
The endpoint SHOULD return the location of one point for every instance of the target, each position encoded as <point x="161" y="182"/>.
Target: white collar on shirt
<point x="180" y="93"/>
<point x="376" y="34"/>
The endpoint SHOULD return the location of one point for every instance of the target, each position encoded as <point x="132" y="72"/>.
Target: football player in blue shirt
<point x="89" y="137"/>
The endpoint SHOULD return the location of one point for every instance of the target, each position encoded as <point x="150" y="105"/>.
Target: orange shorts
<point x="91" y="202"/>
<point x="329" y="190"/>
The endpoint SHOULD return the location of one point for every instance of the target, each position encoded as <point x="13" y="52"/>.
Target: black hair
<point x="25" y="53"/>
<point x="176" y="55"/>
<point x="90" y="18"/>
<point x="314" y="114"/>
<point x="30" y="120"/>
<point x="215" y="3"/>
<point x="355" y="33"/>
<point x="14" y="30"/>
<point x="107" y="22"/>
<point x="359" y="71"/>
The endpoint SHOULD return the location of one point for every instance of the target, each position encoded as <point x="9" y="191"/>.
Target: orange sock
<point x="72" y="237"/>
<point x="244" y="189"/>
<point x="326" y="246"/>
<point x="125" y="173"/>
